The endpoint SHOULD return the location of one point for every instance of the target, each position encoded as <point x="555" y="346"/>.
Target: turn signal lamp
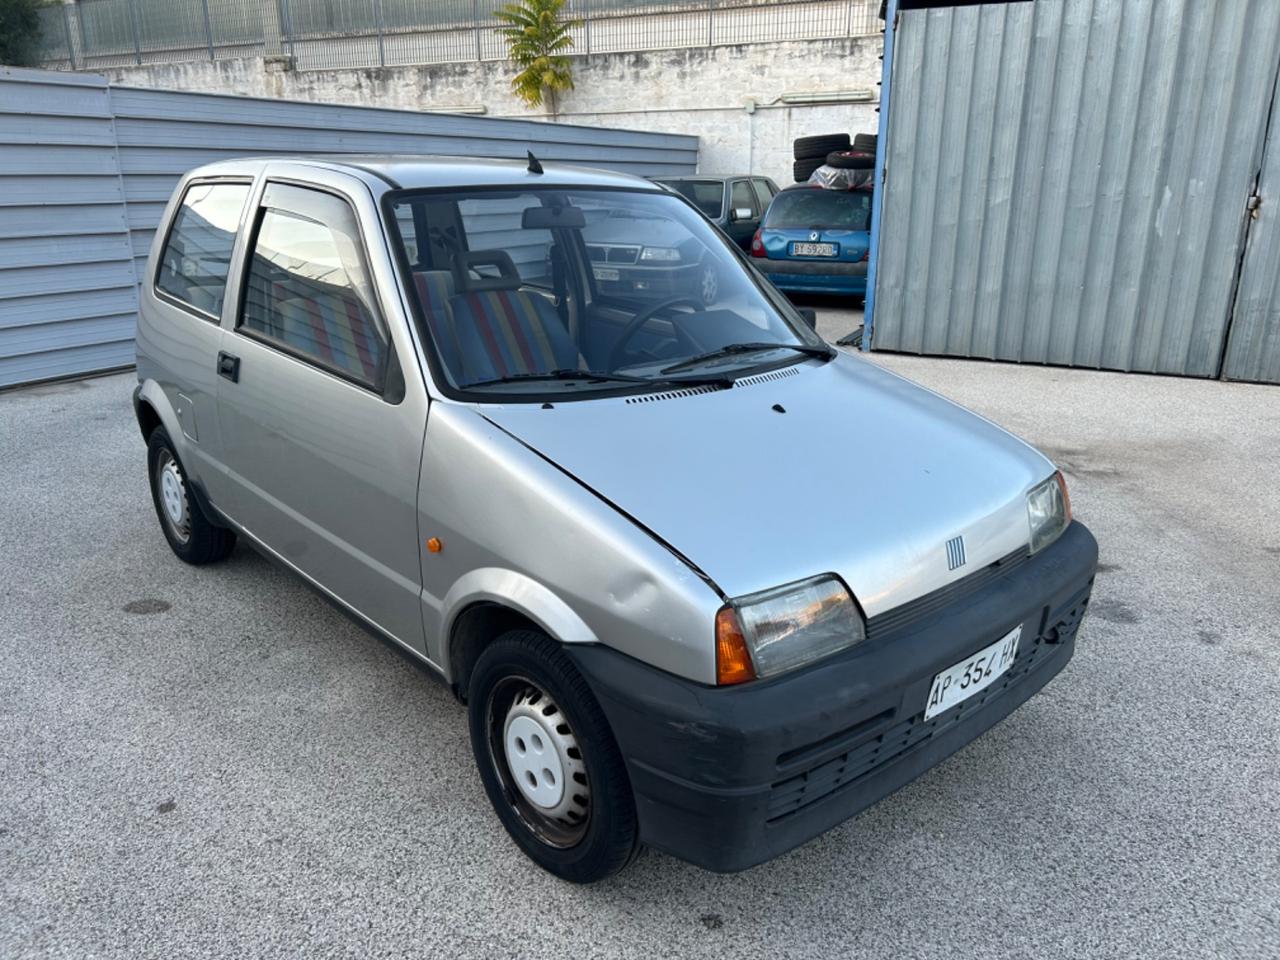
<point x="733" y="661"/>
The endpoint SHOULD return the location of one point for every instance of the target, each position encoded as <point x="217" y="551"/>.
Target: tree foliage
<point x="537" y="39"/>
<point x="19" y="31"/>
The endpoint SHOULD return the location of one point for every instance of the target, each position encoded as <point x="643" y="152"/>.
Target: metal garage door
<point x="86" y="170"/>
<point x="67" y="297"/>
<point x="1253" y="346"/>
<point x="1066" y="182"/>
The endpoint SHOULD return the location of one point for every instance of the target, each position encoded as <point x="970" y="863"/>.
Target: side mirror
<point x="809" y="315"/>
<point x="740" y="213"/>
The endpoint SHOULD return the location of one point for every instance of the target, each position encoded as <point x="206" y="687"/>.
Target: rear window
<point x="815" y="208"/>
<point x="706" y="195"/>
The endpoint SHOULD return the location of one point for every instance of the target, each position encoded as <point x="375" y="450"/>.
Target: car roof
<point x="414" y="172"/>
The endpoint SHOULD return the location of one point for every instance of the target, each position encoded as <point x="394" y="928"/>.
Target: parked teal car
<point x="816" y="240"/>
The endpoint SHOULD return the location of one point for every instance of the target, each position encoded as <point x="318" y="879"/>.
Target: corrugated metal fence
<point x="86" y="169"/>
<point x="1066" y="182"/>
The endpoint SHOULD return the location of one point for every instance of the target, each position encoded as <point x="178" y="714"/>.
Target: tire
<point x="815" y="148"/>
<point x="865" y="142"/>
<point x="851" y="160"/>
<point x="803" y="169"/>
<point x="581" y="836"/>
<point x="190" y="532"/>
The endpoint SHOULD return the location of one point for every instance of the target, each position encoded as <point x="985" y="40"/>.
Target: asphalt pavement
<point x="216" y="763"/>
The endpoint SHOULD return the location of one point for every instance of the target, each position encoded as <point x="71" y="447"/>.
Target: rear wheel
<point x="191" y="534"/>
<point x="548" y="760"/>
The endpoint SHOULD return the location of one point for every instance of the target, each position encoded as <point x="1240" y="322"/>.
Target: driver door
<point x="322" y="430"/>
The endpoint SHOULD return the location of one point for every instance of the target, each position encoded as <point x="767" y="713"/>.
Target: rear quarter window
<point x="197" y="254"/>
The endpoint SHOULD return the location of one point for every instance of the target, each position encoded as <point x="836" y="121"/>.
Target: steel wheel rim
<point x="172" y="490"/>
<point x="557" y="810"/>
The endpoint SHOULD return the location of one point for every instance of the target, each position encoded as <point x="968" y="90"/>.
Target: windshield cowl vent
<point x="766" y="377"/>
<point x="671" y="394"/>
<point x="694" y="391"/>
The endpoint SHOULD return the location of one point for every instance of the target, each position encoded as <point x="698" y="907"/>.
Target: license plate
<point x="605" y="273"/>
<point x="972" y="675"/>
<point x="813" y="249"/>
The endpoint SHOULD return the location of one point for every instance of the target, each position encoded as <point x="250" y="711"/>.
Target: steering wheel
<point x="619" y="352"/>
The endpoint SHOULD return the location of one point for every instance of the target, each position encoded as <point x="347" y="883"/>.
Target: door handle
<point x="229" y="367"/>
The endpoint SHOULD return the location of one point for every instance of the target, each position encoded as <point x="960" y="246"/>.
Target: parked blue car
<point x="816" y="240"/>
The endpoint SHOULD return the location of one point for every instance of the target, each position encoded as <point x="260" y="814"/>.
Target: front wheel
<point x="548" y="760"/>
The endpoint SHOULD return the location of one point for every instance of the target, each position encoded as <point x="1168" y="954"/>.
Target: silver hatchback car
<point x="703" y="582"/>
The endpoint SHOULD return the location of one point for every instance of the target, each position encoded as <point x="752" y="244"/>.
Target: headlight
<point x="667" y="254"/>
<point x="768" y="633"/>
<point x="1048" y="510"/>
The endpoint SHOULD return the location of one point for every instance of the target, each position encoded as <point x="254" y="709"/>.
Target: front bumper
<point x="730" y="777"/>
<point x="817" y="276"/>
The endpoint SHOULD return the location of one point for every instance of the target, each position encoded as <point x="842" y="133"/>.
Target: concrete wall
<point x="700" y="91"/>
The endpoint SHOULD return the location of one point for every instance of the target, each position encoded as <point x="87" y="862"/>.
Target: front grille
<point x="894" y="741"/>
<point x="604" y="253"/>
<point x="623" y="254"/>
<point x="901" y="617"/>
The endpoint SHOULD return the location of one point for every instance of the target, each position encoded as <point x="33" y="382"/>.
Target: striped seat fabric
<point x="502" y="330"/>
<point x="435" y="291"/>
<point x="327" y="322"/>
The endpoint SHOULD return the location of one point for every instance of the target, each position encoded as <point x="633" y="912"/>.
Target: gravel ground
<point x="215" y="763"/>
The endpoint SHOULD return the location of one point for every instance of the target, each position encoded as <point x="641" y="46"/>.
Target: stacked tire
<point x="832" y="149"/>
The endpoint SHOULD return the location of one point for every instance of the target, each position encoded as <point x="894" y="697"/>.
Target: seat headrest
<point x="466" y="281"/>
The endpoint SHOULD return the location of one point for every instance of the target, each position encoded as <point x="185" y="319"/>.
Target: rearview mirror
<point x="809" y="315"/>
<point x="551" y="218"/>
<point x="740" y="213"/>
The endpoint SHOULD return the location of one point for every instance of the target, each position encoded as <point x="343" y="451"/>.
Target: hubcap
<point x="539" y="761"/>
<point x="173" y="496"/>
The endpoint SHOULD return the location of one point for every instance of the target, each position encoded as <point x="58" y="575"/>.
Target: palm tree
<point x="536" y="40"/>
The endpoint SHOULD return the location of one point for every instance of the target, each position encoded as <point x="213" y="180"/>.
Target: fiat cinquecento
<point x="703" y="582"/>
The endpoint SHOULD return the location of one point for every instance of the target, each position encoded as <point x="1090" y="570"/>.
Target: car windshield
<point x="706" y="195"/>
<point x="815" y="208"/>
<point x="576" y="291"/>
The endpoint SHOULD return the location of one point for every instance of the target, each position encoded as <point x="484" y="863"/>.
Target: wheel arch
<point x="152" y="409"/>
<point x="486" y="603"/>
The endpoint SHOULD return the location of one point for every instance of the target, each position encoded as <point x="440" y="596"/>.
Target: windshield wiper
<point x="595" y="376"/>
<point x="729" y="350"/>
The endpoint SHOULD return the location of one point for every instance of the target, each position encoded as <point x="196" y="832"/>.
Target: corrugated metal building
<point x="1092" y="183"/>
<point x="86" y="169"/>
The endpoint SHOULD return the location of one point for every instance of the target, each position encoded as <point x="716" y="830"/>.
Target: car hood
<point x="651" y="231"/>
<point x="837" y="467"/>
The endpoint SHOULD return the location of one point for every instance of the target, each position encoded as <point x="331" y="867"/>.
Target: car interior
<point x="507" y="286"/>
